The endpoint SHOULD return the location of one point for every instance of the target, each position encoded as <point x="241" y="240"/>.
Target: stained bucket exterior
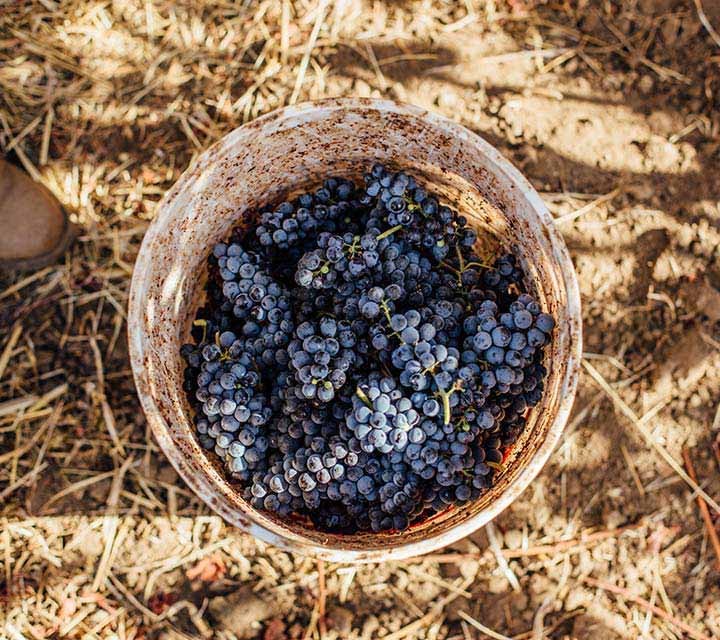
<point x="299" y="146"/>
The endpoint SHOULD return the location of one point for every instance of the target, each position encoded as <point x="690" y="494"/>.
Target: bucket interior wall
<point x="261" y="163"/>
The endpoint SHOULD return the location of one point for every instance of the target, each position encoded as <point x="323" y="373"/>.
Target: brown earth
<point x="610" y="109"/>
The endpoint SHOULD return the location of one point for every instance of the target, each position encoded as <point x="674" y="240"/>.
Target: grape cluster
<point x="259" y="303"/>
<point x="337" y="260"/>
<point x="319" y="361"/>
<point x="297" y="223"/>
<point x="231" y="413"/>
<point x="426" y="223"/>
<point x="357" y="363"/>
<point x="381" y="416"/>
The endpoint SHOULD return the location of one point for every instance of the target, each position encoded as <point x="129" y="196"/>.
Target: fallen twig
<point x="641" y="602"/>
<point x="20" y="482"/>
<point x="630" y="415"/>
<point x="322" y="6"/>
<point x="322" y="595"/>
<point x="501" y="560"/>
<point x="435" y="610"/>
<point x="34" y="439"/>
<point x="482" y="628"/>
<point x="531" y="635"/>
<point x="7" y="352"/>
<point x="706" y="23"/>
<point x="565" y="545"/>
<point x="573" y="215"/>
<point x="704" y="511"/>
<point x="570" y="546"/>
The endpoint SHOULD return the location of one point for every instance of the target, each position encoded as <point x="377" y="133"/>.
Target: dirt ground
<point x="610" y="108"/>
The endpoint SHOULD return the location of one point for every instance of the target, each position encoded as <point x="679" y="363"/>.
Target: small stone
<point x="453" y="608"/>
<point x="641" y="190"/>
<point x="362" y="88"/>
<point x="168" y="474"/>
<point x="275" y="630"/>
<point x="450" y="571"/>
<point x="242" y="612"/>
<point x="646" y="84"/>
<point x="520" y="601"/>
<point x="539" y="584"/>
<point x="447" y="99"/>
<point x="340" y="620"/>
<point x="513" y="539"/>
<point x="498" y="584"/>
<point x="469" y="568"/>
<point x="372" y="624"/>
<point x="397" y="91"/>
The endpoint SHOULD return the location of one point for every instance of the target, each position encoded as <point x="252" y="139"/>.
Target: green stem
<point x="354" y="246"/>
<point x="361" y="394"/>
<point x="477" y="264"/>
<point x="410" y="204"/>
<point x="445" y="397"/>
<point x="449" y="266"/>
<point x="446" y="406"/>
<point x="388" y="232"/>
<point x="461" y="260"/>
<point x="386" y="309"/>
<point x="203" y="324"/>
<point x="224" y="353"/>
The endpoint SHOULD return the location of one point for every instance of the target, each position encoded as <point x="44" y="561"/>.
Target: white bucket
<point x="297" y="147"/>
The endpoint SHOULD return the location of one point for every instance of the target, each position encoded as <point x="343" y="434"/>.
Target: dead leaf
<point x="702" y="298"/>
<point x="209" y="569"/>
<point x="296" y="631"/>
<point x="67" y="609"/>
<point x="39" y="633"/>
<point x="275" y="630"/>
<point x="519" y="7"/>
<point x="98" y="599"/>
<point x="159" y="602"/>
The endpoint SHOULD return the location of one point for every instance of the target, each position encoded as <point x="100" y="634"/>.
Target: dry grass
<point x="106" y="102"/>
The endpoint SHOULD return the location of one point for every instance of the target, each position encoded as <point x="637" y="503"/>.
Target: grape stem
<point x="461" y="260"/>
<point x="387" y="233"/>
<point x="203" y="324"/>
<point x="449" y="266"/>
<point x="445" y="397"/>
<point x="363" y="396"/>
<point x="386" y="309"/>
<point x="352" y="248"/>
<point x="411" y="206"/>
<point x="477" y="264"/>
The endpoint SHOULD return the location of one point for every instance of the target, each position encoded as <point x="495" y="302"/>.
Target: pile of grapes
<point x="357" y="362"/>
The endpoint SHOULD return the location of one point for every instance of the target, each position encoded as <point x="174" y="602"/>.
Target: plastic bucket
<point x="297" y="147"/>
